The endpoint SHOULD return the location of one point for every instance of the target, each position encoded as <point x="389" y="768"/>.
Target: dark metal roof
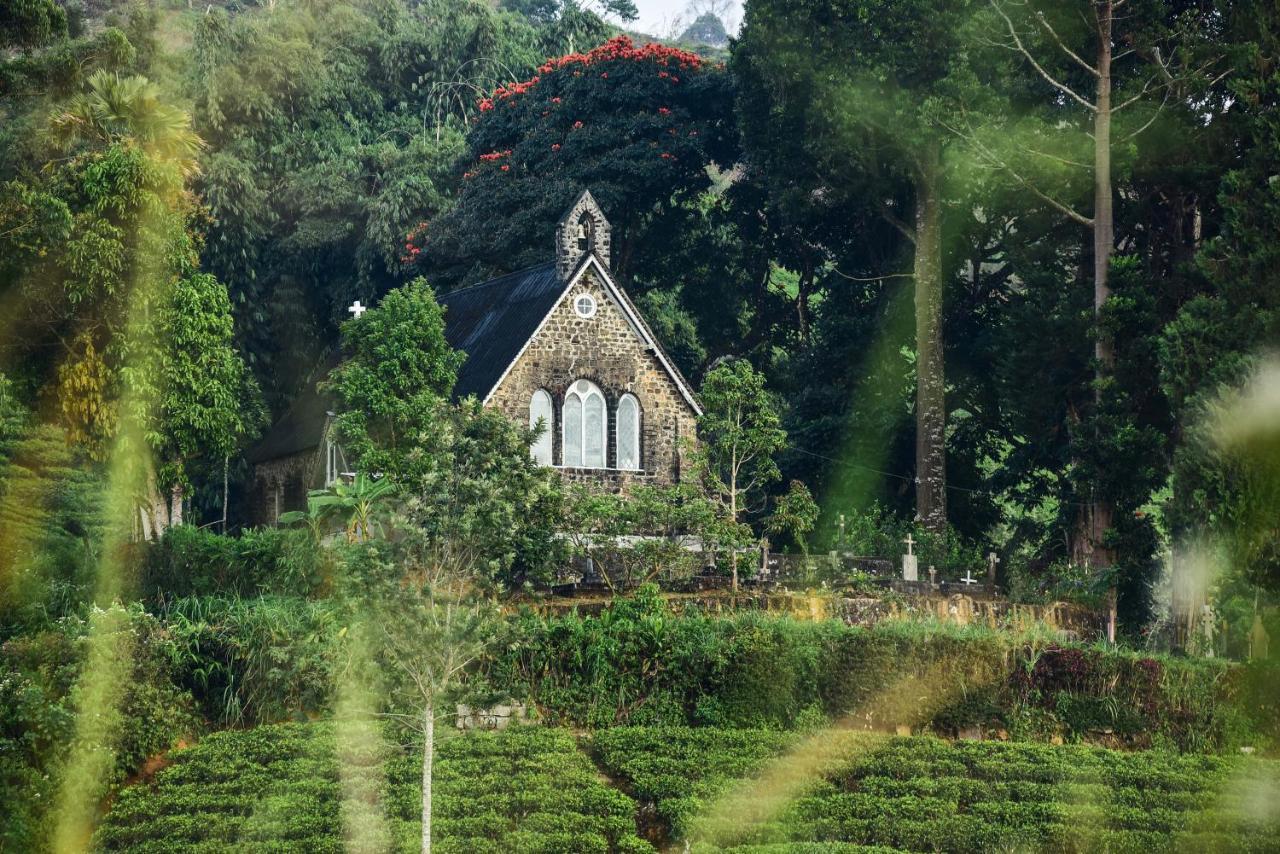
<point x="493" y="320"/>
<point x="490" y="322"/>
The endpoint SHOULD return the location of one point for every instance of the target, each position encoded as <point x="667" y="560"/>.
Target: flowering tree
<point x="637" y="125"/>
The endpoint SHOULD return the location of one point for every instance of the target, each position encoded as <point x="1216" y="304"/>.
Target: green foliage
<point x="50" y="524"/>
<point x="637" y="662"/>
<point x="677" y="770"/>
<point x="877" y="532"/>
<point x="739" y="433"/>
<point x="30" y="23"/>
<point x="332" y="130"/>
<point x="189" y="561"/>
<point x="396" y="380"/>
<point x="524" y="789"/>
<point x="258" y="660"/>
<point x="359" y="504"/>
<point x="601" y="525"/>
<point x="39" y="696"/>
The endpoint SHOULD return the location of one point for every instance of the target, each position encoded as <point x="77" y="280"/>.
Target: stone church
<point x="560" y="342"/>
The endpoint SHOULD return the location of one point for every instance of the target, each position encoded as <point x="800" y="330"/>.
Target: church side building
<point x="560" y="342"/>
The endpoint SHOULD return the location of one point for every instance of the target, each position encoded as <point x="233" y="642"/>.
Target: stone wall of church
<point x="605" y="350"/>
<point x="282" y="485"/>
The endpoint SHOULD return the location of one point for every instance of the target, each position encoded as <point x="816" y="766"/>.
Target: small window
<point x="585" y="305"/>
<point x="628" y="433"/>
<point x="540" y="414"/>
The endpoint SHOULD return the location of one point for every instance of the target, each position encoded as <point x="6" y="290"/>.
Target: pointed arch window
<point x="628" y="433"/>
<point x="540" y="412"/>
<point x="586" y="424"/>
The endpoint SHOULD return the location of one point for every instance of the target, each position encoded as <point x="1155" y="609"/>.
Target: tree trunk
<point x="1096" y="516"/>
<point x="175" y="506"/>
<point x="226" y="489"/>
<point x="931" y="412"/>
<point x="428" y="756"/>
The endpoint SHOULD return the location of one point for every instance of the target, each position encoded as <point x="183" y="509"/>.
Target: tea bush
<point x="923" y="794"/>
<point x="277" y="787"/>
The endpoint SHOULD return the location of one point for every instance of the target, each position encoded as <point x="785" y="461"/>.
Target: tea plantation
<point x="278" y="788"/>
<point x="925" y="794"/>
<point x="534" y="789"/>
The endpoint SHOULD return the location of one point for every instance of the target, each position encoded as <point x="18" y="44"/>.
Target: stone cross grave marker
<point x="909" y="569"/>
<point x="992" y="560"/>
<point x="968" y="577"/>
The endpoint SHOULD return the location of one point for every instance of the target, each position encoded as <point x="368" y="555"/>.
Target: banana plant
<point x="357" y="502"/>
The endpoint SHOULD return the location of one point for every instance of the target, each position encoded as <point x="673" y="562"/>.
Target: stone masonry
<point x="604" y="349"/>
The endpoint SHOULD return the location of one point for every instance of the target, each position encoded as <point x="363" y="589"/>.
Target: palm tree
<point x="116" y="108"/>
<point x="358" y="501"/>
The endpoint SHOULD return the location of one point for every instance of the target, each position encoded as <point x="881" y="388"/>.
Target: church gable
<point x="593" y="371"/>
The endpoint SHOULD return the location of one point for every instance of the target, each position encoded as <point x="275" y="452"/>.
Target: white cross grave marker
<point x="968" y="577"/>
<point x="909" y="571"/>
<point x="357" y="309"/>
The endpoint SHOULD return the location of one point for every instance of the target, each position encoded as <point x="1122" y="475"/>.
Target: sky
<point x="656" y="15"/>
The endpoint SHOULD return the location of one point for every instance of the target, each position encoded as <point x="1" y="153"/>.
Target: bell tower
<point x="582" y="229"/>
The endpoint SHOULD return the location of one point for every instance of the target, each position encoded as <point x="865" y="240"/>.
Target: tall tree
<point x="1090" y="68"/>
<point x="870" y="99"/>
<point x="638" y="126"/>
<point x="147" y="373"/>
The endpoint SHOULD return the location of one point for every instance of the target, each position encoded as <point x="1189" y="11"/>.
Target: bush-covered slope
<point x="924" y="794"/>
<point x="278" y="788"/>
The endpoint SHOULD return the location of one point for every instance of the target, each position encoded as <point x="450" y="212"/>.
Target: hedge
<point x="925" y="794"/>
<point x="278" y="788"/>
<point x="638" y="663"/>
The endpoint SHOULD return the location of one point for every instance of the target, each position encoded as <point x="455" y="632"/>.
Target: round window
<point x="585" y="305"/>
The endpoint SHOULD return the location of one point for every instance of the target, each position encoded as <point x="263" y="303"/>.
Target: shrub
<point x="39" y="692"/>
<point x="259" y="660"/>
<point x="189" y="561"/>
<point x="638" y="663"/>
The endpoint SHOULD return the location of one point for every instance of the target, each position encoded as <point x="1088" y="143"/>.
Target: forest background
<point x="850" y="195"/>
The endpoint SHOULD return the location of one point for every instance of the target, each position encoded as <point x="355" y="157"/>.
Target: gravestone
<point x="909" y="569"/>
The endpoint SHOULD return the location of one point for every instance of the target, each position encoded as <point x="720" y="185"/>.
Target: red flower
<point x="577" y="125"/>
<point x="486" y="104"/>
<point x="604" y="74"/>
<point x="505" y="167"/>
<point x="555" y="100"/>
<point x="555" y="146"/>
<point x="663" y="111"/>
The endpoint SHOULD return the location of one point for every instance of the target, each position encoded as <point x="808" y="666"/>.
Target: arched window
<point x="585" y="426"/>
<point x="540" y="411"/>
<point x="628" y="433"/>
